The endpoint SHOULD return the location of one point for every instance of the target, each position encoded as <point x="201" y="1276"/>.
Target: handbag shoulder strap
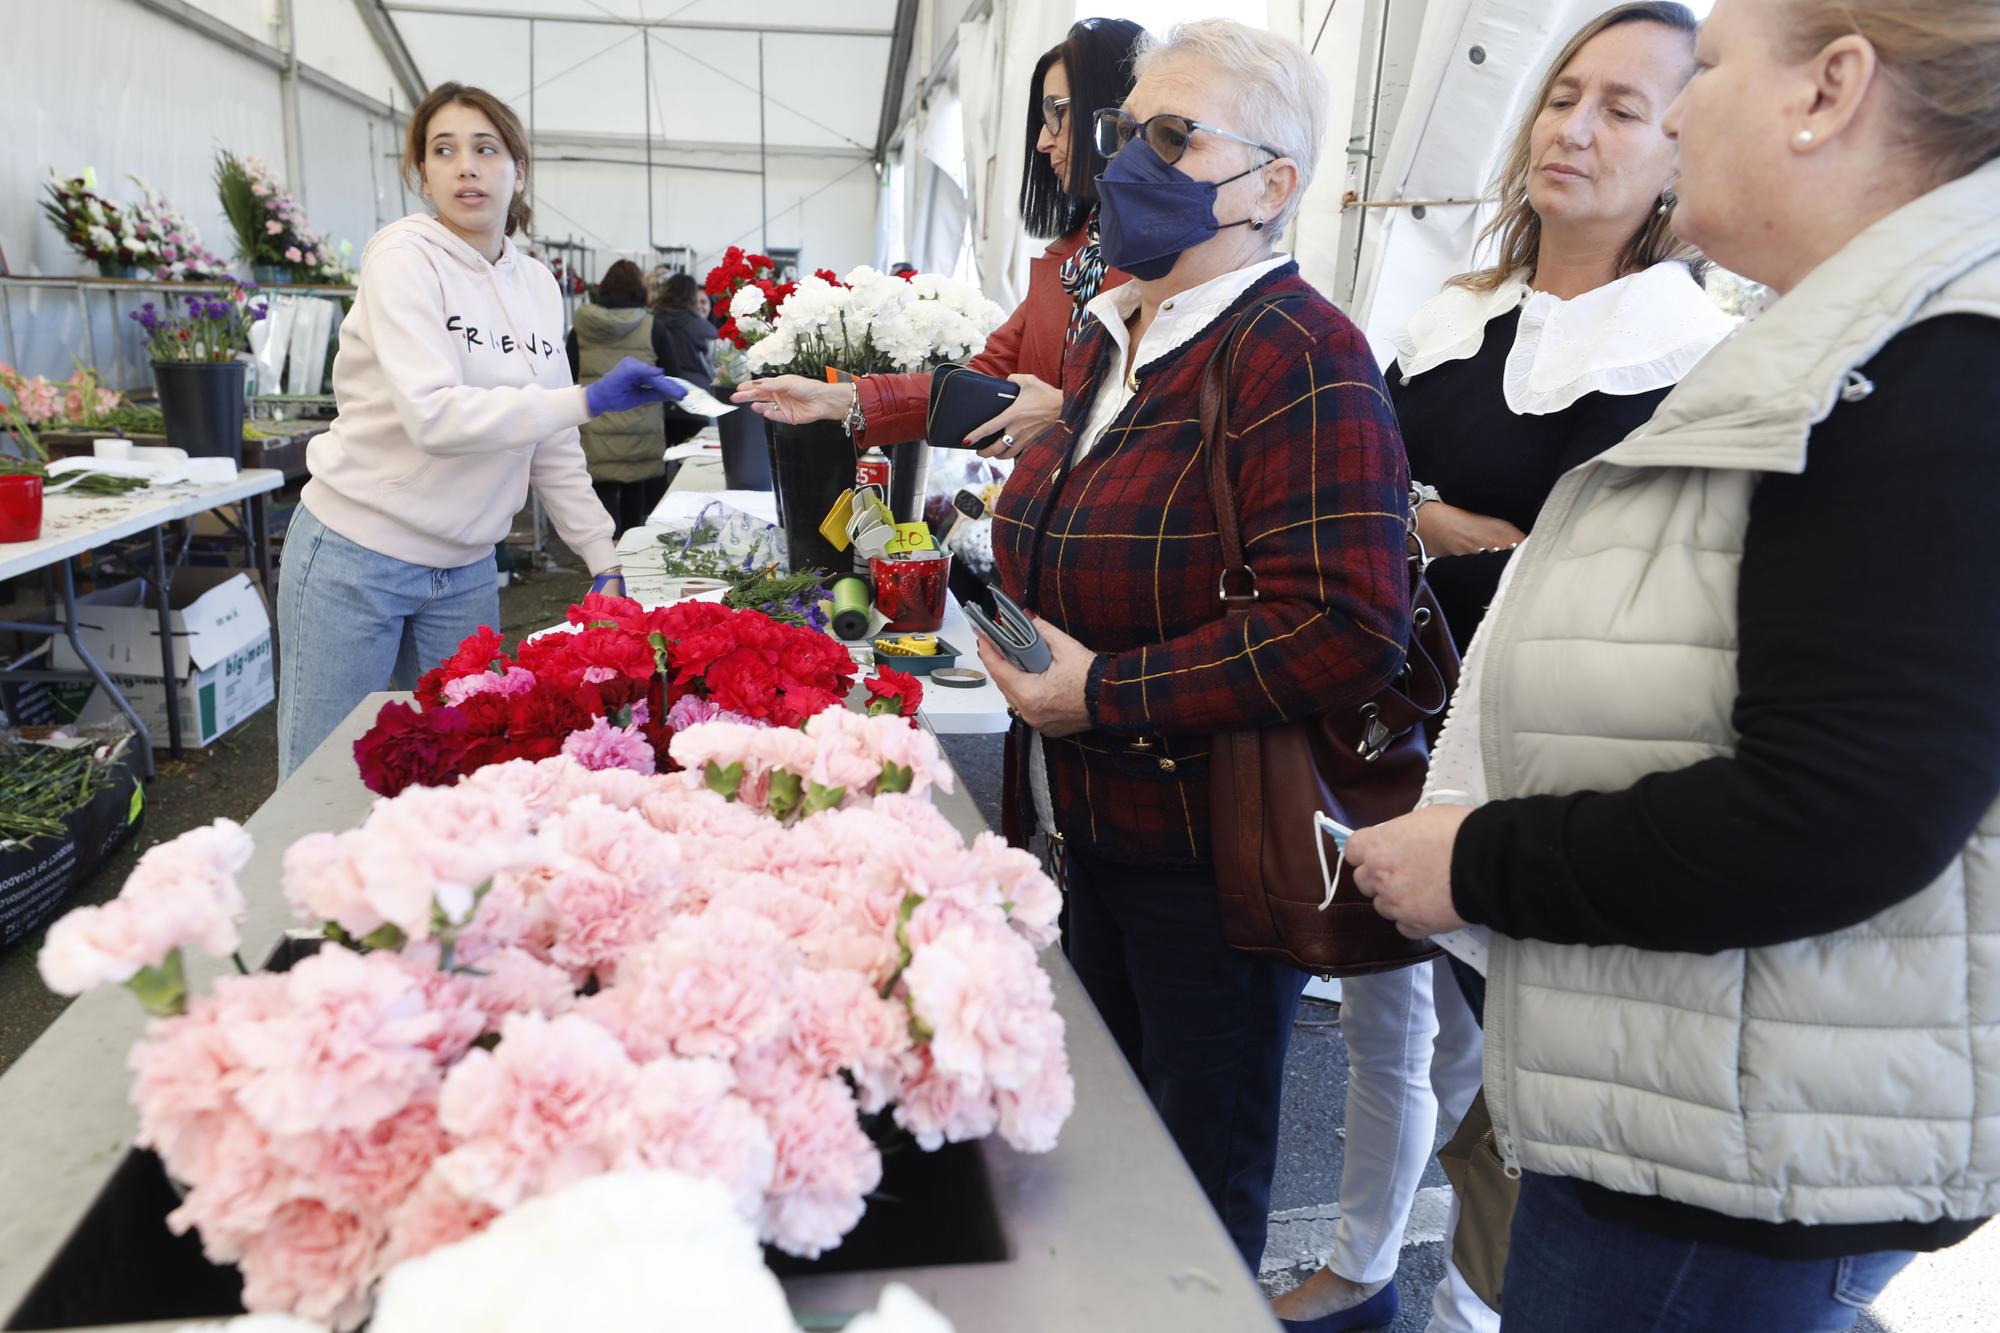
<point x="1215" y="439"/>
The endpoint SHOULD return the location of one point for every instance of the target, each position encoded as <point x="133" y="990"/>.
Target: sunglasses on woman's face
<point x="1054" y="110"/>
<point x="1166" y="134"/>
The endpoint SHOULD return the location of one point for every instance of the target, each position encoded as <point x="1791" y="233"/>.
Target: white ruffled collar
<point x="1639" y="333"/>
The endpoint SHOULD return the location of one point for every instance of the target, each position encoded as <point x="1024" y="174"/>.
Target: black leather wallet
<point x="961" y="402"/>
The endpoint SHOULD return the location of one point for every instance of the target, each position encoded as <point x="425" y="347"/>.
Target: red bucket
<point x="20" y="507"/>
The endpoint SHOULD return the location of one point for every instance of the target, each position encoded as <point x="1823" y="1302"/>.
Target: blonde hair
<point x="1941" y="56"/>
<point x="1517" y="228"/>
<point x="1282" y="96"/>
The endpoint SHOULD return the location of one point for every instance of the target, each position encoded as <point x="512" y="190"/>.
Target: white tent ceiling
<point x="578" y="67"/>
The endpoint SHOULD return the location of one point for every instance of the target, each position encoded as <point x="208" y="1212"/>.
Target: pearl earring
<point x="1667" y="202"/>
<point x="1803" y="138"/>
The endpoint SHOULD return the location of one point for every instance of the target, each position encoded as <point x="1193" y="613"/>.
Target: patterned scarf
<point x="1082" y="277"/>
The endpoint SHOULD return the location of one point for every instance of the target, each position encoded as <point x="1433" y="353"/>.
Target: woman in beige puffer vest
<point x="1736" y="832"/>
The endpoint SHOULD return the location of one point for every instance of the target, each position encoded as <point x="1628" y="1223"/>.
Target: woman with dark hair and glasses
<point x="1091" y="68"/>
<point x="1108" y="532"/>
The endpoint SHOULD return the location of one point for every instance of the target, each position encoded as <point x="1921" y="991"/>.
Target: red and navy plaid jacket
<point x="1129" y="561"/>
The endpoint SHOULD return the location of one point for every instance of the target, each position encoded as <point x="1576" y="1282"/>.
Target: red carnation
<point x="891" y="691"/>
<point x="743" y="682"/>
<point x="539" y="721"/>
<point x="407" y="748"/>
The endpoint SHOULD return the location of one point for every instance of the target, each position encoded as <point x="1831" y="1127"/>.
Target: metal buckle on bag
<point x="1222" y="583"/>
<point x="1324" y="827"/>
<point x="1375" y="737"/>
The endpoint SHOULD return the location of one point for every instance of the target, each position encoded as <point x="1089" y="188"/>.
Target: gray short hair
<point x="1281" y="95"/>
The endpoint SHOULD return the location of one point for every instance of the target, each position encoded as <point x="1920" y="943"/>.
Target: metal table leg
<point x="112" y="692"/>
<point x="257" y="534"/>
<point x="163" y="584"/>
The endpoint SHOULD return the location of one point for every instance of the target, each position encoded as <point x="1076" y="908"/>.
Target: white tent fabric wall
<point x="1454" y="128"/>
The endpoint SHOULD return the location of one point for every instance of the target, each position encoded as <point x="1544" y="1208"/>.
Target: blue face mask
<point x="1149" y="212"/>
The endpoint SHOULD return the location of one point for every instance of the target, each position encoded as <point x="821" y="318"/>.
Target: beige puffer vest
<point x="619" y="446"/>
<point x="1849" y="1078"/>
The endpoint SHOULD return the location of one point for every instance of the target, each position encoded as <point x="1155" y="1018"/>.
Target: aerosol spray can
<point x="872" y="469"/>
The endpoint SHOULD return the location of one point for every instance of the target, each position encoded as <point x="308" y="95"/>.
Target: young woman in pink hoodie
<point x="455" y="397"/>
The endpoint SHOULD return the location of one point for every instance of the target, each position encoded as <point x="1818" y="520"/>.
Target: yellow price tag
<point x="911" y="537"/>
<point x="834" y="526"/>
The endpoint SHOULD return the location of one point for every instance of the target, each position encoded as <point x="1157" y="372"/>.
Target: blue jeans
<point x="1568" y="1272"/>
<point x="1204" y="1026"/>
<point x="354" y="621"/>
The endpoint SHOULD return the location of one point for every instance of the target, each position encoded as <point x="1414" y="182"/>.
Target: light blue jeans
<point x="353" y="621"/>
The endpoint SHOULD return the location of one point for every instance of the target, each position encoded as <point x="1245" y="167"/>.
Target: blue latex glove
<point x="631" y="384"/>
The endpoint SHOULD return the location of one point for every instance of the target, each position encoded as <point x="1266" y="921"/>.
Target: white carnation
<point x="900" y="1310"/>
<point x="747" y="302"/>
<point x="628" y="1250"/>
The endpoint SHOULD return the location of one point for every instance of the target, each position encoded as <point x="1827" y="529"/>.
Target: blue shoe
<point x="1378" y="1311"/>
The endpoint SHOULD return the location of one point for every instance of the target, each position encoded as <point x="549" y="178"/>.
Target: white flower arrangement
<point x="872" y="323"/>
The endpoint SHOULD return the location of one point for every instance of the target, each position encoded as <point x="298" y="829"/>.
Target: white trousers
<point x="1413" y="1051"/>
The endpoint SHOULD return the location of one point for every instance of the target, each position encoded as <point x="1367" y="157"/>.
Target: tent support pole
<point x="763" y="167"/>
<point x="288" y="96"/>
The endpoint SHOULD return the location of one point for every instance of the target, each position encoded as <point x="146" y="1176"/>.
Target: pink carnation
<point x="182" y="892"/>
<point x="939" y="1108"/>
<point x="690" y="1119"/>
<point x="433" y="1215"/>
<point x="988" y="1004"/>
<point x="292" y="253"/>
<point x="839" y="1022"/>
<point x="550" y="1105"/>
<point x="826" y="1165"/>
<point x="273" y="227"/>
<point x="1031" y="1117"/>
<point x="712" y="985"/>
<point x="368" y="1171"/>
<point x="347" y="1050"/>
<point x="603" y="745"/>
<point x="692" y="710"/>
<point x="313" y="1261"/>
<point x="517" y="680"/>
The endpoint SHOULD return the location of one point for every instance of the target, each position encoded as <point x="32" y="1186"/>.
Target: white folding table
<point x="73" y="524"/>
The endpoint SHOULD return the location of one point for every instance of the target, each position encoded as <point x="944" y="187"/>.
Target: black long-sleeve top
<point x="1462" y="438"/>
<point x="1867" y="714"/>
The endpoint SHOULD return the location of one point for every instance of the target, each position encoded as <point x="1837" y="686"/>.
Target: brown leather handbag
<point x="1359" y="765"/>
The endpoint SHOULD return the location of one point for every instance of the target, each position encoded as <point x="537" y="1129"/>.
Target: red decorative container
<point x="911" y="592"/>
<point x="20" y="507"/>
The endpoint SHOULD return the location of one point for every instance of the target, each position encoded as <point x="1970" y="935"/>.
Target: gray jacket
<point x="1849" y="1078"/>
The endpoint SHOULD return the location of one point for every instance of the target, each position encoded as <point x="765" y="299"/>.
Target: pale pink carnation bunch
<point x="601" y="970"/>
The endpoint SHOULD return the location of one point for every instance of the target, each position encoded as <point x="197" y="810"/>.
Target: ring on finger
<point x="1006" y="441"/>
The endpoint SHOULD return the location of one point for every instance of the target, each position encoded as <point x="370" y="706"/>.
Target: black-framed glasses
<point x="1166" y="134"/>
<point x="1053" y="111"/>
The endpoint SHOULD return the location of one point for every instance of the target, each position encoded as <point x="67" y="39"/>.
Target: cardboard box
<point x="221" y="633"/>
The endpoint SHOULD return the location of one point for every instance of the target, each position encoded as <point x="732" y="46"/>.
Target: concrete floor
<point x="1954" y="1292"/>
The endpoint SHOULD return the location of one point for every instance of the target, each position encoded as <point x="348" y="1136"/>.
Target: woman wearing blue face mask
<point x="1107" y="531"/>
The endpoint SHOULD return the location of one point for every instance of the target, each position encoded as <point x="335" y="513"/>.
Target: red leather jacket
<point x="1029" y="343"/>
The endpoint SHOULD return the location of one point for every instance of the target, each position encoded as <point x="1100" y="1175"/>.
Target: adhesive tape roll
<point x="850" y="608"/>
